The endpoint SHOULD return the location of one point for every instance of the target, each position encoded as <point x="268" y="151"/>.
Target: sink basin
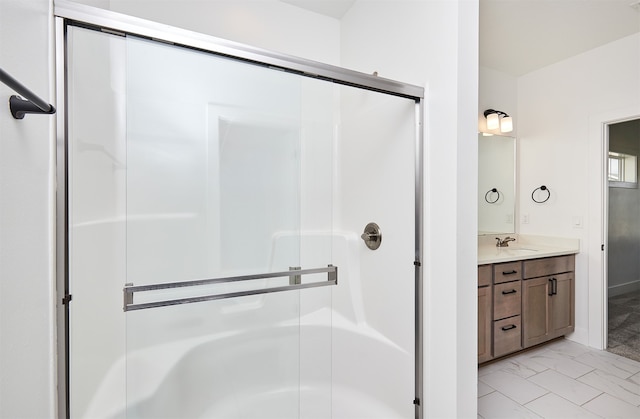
<point x="520" y="249"/>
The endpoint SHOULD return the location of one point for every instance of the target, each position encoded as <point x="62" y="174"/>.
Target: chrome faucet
<point x="505" y="242"/>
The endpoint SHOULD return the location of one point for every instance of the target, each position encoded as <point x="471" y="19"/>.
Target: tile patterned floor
<point x="560" y="380"/>
<point x="624" y="325"/>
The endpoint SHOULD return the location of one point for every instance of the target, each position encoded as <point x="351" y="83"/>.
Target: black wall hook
<point x="541" y="188"/>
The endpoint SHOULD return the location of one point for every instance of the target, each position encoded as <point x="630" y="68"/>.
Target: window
<point x="622" y="170"/>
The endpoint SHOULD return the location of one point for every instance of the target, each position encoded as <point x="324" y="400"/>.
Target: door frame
<point x="598" y="245"/>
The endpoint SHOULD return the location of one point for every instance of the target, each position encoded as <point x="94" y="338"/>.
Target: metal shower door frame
<point x="68" y="13"/>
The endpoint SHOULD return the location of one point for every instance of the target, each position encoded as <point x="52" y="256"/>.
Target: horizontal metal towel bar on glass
<point x="130" y="290"/>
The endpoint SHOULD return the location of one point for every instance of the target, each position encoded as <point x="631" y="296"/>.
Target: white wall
<point x="268" y="24"/>
<point x="27" y="367"/>
<point x="434" y="44"/>
<point x="560" y="111"/>
<point x="499" y="91"/>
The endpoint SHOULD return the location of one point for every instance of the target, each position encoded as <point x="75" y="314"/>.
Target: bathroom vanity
<point x="525" y="294"/>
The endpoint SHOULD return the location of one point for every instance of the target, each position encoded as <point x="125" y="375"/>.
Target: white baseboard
<point x="579" y="335"/>
<point x="616" y="290"/>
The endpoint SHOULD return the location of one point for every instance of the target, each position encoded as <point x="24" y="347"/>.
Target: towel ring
<point x="542" y="188"/>
<point x="490" y="191"/>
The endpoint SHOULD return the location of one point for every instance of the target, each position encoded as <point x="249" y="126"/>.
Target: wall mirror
<point x="496" y="184"/>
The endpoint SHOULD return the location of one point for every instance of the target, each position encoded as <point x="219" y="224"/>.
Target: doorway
<point x="623" y="237"/>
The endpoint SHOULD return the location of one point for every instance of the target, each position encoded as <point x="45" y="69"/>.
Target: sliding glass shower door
<point x="214" y="191"/>
<point x="242" y="240"/>
<point x="208" y="172"/>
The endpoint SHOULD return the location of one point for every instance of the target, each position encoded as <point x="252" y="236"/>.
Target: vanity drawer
<point x="484" y="275"/>
<point x="507" y="336"/>
<point x="507" y="299"/>
<point x="505" y="272"/>
<point x="548" y="266"/>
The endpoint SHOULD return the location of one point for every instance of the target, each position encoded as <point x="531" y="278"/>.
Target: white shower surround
<point x="350" y="397"/>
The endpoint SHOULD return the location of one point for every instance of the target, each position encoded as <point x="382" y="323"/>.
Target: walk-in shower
<point x="214" y="257"/>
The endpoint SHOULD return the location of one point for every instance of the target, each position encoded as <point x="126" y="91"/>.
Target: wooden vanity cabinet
<point x="507" y="304"/>
<point x="548" y="299"/>
<point x="485" y="313"/>
<point x="524" y="303"/>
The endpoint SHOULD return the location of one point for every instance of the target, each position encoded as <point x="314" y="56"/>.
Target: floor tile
<point x="552" y="406"/>
<point x="497" y="405"/>
<point x="514" y="387"/>
<point x="562" y="363"/>
<point x="522" y="367"/>
<point x="484" y="389"/>
<point x="608" y="362"/>
<point x="560" y="380"/>
<point x="568" y="348"/>
<point x="633" y="364"/>
<point x="609" y="407"/>
<point x="625" y="390"/>
<point x="568" y="388"/>
<point x="492" y="367"/>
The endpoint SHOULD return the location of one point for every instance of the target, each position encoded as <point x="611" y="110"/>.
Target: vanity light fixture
<point x="494" y="122"/>
<point x="506" y="125"/>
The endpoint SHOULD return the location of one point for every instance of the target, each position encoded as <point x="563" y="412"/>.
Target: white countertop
<point x="525" y="247"/>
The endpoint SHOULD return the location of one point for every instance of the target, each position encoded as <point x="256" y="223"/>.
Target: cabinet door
<point x="484" y="324"/>
<point x="507" y="272"/>
<point x="484" y="275"/>
<point x="535" y="311"/>
<point x="507" y="300"/>
<point x="507" y="336"/>
<point x="561" y="308"/>
<point x="547" y="266"/>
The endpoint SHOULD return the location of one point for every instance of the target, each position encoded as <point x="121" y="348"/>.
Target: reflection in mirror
<point x="496" y="184"/>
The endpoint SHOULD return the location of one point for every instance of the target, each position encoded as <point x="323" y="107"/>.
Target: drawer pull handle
<point x="509" y="272"/>
<point x="511" y="326"/>
<point x="509" y="292"/>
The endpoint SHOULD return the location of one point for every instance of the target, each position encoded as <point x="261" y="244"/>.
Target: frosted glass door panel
<point x="376" y="184"/>
<point x="213" y="150"/>
<point x="222" y="162"/>
<point x="208" y="360"/>
<point x="97" y="222"/>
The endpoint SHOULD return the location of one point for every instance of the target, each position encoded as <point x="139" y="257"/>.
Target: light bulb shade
<point x="506" y="125"/>
<point x="493" y="121"/>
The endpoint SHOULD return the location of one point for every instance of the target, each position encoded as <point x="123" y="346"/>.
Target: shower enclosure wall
<point x="211" y="205"/>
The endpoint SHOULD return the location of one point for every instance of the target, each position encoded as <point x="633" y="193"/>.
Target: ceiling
<point x="331" y="8"/>
<point x="520" y="36"/>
